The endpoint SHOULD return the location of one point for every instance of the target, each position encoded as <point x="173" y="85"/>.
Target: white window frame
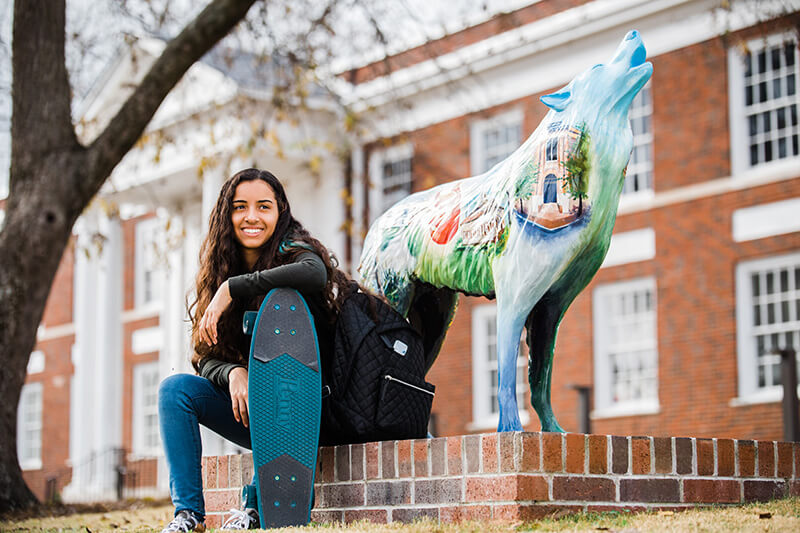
<point x="147" y="233"/>
<point x="377" y="159"/>
<point x="746" y="352"/>
<point x="142" y="448"/>
<point x="739" y="128"/>
<point x="641" y="107"/>
<point x="477" y="150"/>
<point x="31" y="398"/>
<point x="604" y="404"/>
<point x="483" y="416"/>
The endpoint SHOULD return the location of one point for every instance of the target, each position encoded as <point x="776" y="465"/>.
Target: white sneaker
<point x="184" y="522"/>
<point x="246" y="519"/>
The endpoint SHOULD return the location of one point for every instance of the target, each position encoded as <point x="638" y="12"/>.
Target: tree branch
<point x="199" y="36"/>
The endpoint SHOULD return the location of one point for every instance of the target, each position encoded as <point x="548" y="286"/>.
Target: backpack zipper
<point x="390" y="378"/>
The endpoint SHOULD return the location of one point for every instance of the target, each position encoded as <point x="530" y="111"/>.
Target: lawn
<point x="781" y="515"/>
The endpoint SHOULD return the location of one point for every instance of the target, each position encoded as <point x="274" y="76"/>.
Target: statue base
<point x="524" y="476"/>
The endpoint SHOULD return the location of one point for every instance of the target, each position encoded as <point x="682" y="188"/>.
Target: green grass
<point x="780" y="515"/>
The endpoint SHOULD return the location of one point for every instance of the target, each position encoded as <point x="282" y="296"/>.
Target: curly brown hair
<point x="221" y="258"/>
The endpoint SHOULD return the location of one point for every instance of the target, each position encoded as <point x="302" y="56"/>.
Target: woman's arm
<point x="307" y="274"/>
<point x="217" y="371"/>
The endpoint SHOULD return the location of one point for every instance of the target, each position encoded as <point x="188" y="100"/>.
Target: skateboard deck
<point x="284" y="384"/>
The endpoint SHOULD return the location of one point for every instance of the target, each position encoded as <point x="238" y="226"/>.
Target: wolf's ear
<point x="558" y="101"/>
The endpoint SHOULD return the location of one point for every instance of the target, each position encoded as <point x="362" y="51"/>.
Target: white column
<point x="108" y="366"/>
<point x="81" y="412"/>
<point x="173" y="357"/>
<point x="96" y="412"/>
<point x="357" y="209"/>
<point x="195" y="232"/>
<point x="212" y="183"/>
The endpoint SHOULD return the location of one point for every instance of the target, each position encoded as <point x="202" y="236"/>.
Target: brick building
<point x="675" y="334"/>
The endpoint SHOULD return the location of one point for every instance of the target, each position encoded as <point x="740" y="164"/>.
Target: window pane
<point x="776" y="58"/>
<point x="766" y="94"/>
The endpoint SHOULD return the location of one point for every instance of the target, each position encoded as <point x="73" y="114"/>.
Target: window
<point x="768" y="319"/>
<point x="145" y="409"/>
<point x="147" y="282"/>
<point x="390" y="173"/>
<point x="639" y="176"/>
<point x="485" y="409"/>
<point x="396" y="181"/>
<point x="493" y="140"/>
<point x="29" y="427"/>
<point x="764" y="101"/>
<point x="625" y="348"/>
<point x="552" y="149"/>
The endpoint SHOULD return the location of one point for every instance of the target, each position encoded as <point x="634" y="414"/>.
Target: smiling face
<point x="254" y="216"/>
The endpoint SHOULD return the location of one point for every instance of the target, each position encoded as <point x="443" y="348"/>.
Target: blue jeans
<point x="184" y="402"/>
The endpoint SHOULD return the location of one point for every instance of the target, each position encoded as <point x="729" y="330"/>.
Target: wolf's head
<point x="605" y="91"/>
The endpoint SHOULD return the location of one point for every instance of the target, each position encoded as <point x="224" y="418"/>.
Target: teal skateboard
<point x="284" y="384"/>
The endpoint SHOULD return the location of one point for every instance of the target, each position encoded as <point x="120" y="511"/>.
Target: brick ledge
<point x="519" y="476"/>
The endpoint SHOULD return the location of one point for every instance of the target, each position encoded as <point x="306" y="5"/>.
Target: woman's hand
<point x="208" y="324"/>
<point x="237" y="383"/>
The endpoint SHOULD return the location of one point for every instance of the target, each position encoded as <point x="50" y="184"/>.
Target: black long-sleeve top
<point x="308" y="276"/>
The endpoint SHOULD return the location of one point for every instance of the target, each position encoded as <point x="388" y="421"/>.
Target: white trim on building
<point x="36" y="362"/>
<point x="147" y="340"/>
<point x="766" y="220"/>
<point x="630" y="247"/>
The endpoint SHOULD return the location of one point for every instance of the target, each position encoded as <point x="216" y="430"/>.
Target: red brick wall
<point x="690" y="115"/>
<point x="523" y="476"/>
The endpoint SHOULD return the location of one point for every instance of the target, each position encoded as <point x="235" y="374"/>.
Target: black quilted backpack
<point x="374" y="388"/>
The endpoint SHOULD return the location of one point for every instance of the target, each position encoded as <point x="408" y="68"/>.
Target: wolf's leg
<point x="509" y="329"/>
<point x="542" y="326"/>
<point x="431" y="313"/>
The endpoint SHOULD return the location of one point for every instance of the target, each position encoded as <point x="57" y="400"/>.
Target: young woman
<point x="253" y="245"/>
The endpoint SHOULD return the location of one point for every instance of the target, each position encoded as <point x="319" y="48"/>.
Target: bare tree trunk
<point x="53" y="178"/>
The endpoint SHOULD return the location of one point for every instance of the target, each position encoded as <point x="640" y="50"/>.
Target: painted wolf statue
<point x="531" y="232"/>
